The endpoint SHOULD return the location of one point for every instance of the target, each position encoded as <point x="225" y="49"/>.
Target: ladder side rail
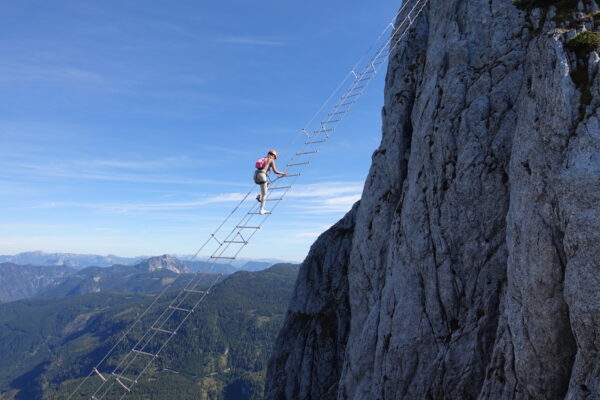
<point x="153" y="303"/>
<point x="126" y="356"/>
<point x="275" y="206"/>
<point x="367" y="69"/>
<point x="372" y="65"/>
<point x="418" y="6"/>
<point x="214" y="233"/>
<point x="382" y="34"/>
<point x="149" y="363"/>
<point x="168" y="339"/>
<point x="283" y="195"/>
<point x="366" y="76"/>
<point x="352" y="87"/>
<point x="195" y="305"/>
<point x="149" y="334"/>
<point x="186" y="293"/>
<point x="133" y="356"/>
<point x="331" y="116"/>
<point x="120" y="340"/>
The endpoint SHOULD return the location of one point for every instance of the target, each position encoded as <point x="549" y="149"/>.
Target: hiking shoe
<point x="263" y="212"/>
<point x="258" y="197"/>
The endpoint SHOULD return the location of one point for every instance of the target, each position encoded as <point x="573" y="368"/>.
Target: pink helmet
<point x="273" y="152"/>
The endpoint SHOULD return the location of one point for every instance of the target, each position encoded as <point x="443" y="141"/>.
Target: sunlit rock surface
<point x="470" y="269"/>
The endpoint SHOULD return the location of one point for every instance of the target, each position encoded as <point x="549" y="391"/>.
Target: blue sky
<point x="131" y="127"/>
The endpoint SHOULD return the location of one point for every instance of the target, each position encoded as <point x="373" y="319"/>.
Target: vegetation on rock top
<point x="585" y="41"/>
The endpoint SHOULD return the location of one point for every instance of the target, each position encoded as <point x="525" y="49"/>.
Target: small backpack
<point x="261" y="163"/>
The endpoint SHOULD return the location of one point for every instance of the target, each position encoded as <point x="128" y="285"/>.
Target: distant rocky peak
<point x="164" y="262"/>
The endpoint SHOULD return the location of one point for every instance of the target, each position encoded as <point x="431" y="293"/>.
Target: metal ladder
<point x="240" y="226"/>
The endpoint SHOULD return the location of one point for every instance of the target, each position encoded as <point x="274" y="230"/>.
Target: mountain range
<point x="79" y="261"/>
<point x="148" y="276"/>
<point x="67" y="259"/>
<point x="49" y="345"/>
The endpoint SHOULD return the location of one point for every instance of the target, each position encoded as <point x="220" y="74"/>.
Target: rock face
<point x="24" y="281"/>
<point x="470" y="269"/>
<point x="163" y="262"/>
<point x="318" y="321"/>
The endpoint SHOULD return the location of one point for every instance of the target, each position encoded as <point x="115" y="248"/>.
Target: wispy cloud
<point x="249" y="40"/>
<point x="308" y="235"/>
<point x="229" y="39"/>
<point x="327" y="197"/>
<point x="275" y="131"/>
<point x="339" y="204"/>
<point x="153" y="164"/>
<point x="228" y="150"/>
<point x="112" y="171"/>
<point x="123" y="208"/>
<point x="326" y="190"/>
<point x="48" y="73"/>
<point x="319" y="198"/>
<point x="13" y="188"/>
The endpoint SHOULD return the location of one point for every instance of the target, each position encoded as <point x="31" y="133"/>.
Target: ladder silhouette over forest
<point x="117" y="378"/>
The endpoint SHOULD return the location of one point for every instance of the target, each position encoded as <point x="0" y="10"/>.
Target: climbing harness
<point x="239" y="227"/>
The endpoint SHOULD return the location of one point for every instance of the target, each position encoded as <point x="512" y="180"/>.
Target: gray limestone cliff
<point x="163" y="262"/>
<point x="470" y="269"/>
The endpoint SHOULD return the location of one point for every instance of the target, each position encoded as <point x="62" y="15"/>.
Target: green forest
<point x="50" y="345"/>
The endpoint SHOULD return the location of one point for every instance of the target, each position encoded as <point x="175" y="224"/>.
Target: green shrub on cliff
<point x="584" y="42"/>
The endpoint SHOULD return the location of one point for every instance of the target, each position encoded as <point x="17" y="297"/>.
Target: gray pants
<point x="260" y="178"/>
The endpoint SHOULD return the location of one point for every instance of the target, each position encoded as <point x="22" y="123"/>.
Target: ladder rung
<point x="123" y="377"/>
<point x="316" y="141"/>
<point x="365" y="79"/>
<point x="99" y="374"/>
<point x="356" y="88"/>
<point x="278" y="199"/>
<point x="237" y="241"/>
<point x="307" y="152"/>
<point x="324" y="130"/>
<point x="123" y="385"/>
<point x="164" y="330"/>
<point x="352" y="95"/>
<point x="344" y="104"/>
<point x="144" y="353"/>
<point x="280" y="188"/>
<point x="224" y="258"/>
<point x="293" y="165"/>
<point x="248" y="227"/>
<point x="330" y="122"/>
<point x="197" y="291"/>
<point x="339" y="112"/>
<point x="180" y="309"/>
<point x="289" y="176"/>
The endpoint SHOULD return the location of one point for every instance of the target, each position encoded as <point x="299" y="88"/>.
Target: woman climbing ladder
<point x="263" y="165"/>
